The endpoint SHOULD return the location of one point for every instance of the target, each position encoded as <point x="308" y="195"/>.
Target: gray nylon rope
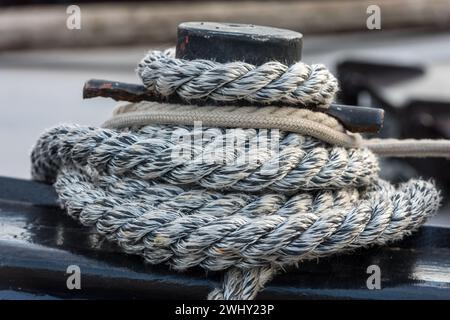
<point x="273" y="82"/>
<point x="304" y="162"/>
<point x="250" y="219"/>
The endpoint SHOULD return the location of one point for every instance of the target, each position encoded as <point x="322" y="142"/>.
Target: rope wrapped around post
<point x="305" y="199"/>
<point x="273" y="82"/>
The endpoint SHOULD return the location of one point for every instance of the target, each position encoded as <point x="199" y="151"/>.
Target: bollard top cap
<point x="226" y="42"/>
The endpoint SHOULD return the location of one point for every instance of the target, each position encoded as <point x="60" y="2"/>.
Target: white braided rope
<point x="273" y="82"/>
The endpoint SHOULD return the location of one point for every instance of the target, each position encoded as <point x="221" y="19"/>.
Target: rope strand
<point x="301" y="162"/>
<point x="177" y="194"/>
<point x="273" y="82"/>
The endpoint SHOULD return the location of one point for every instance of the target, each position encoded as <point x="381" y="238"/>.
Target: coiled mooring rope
<point x="273" y="82"/>
<point x="305" y="199"/>
<point x="303" y="163"/>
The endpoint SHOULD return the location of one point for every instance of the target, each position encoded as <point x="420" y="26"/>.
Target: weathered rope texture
<point x="123" y="183"/>
<point x="422" y="148"/>
<point x="303" y="121"/>
<point x="306" y="122"/>
<point x="303" y="163"/>
<point x="271" y="83"/>
<point x="163" y="188"/>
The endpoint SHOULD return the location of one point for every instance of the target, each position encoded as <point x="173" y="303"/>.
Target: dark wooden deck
<point x="38" y="242"/>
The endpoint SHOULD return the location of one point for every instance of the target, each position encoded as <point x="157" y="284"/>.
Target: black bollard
<point x="225" y="42"/>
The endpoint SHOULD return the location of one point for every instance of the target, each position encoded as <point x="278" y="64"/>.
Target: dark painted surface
<point x="226" y="42"/>
<point x="39" y="242"/>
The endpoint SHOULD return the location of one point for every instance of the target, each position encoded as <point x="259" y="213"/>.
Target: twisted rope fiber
<point x="303" y="163"/>
<point x="250" y="212"/>
<point x="273" y="82"/>
<point x="181" y="222"/>
<point x="196" y="232"/>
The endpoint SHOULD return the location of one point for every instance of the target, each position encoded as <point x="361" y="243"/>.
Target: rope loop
<point x="283" y="186"/>
<point x="299" y="85"/>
